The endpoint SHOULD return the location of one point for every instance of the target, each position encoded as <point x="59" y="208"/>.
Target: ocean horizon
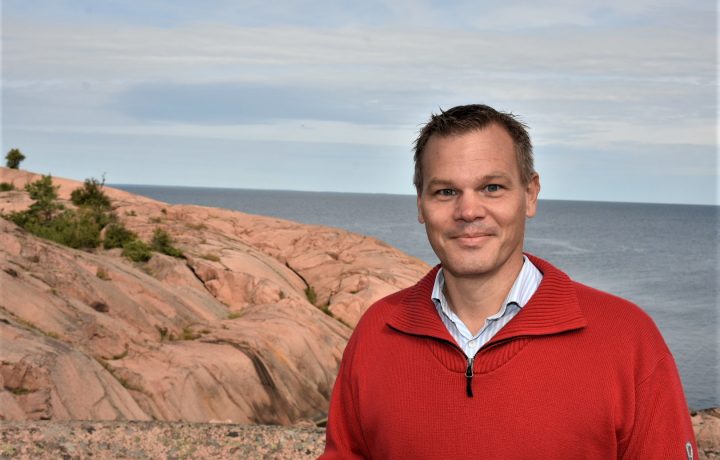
<point x="663" y="257"/>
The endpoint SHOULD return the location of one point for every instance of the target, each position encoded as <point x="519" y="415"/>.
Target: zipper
<point x="469" y="376"/>
<point x="470" y="371"/>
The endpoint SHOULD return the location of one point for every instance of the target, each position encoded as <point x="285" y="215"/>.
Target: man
<point x="497" y="354"/>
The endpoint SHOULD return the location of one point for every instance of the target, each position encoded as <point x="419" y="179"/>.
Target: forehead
<point x="473" y="153"/>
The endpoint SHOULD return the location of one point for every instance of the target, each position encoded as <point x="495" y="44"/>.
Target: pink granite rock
<point x="707" y="432"/>
<point x="226" y="333"/>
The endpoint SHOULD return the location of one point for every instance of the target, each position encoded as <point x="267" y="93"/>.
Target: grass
<point x="311" y="294"/>
<point x="20" y="391"/>
<point x="7" y="450"/>
<point x="163" y="333"/>
<point x="199" y="226"/>
<point x="188" y="334"/>
<point x="102" y="274"/>
<point x="210" y="257"/>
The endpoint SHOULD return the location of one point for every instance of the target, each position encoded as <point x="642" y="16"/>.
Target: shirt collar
<point x="522" y="289"/>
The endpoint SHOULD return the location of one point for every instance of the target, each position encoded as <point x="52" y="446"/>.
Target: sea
<point x="662" y="257"/>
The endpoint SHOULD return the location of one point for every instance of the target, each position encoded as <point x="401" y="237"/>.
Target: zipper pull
<point x="469" y="376"/>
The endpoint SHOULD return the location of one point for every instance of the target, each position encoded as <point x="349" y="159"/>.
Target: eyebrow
<point x="486" y="178"/>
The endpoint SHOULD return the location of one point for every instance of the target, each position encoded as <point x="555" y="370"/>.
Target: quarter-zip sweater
<point x="578" y="373"/>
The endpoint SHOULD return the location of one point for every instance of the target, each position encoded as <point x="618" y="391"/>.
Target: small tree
<point x="45" y="195"/>
<point x="13" y="158"/>
<point x="91" y="195"/>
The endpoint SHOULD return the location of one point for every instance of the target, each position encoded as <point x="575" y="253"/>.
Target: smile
<point x="471" y="239"/>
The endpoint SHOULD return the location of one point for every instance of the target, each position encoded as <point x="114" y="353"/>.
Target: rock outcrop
<point x="226" y="335"/>
<point x="249" y="327"/>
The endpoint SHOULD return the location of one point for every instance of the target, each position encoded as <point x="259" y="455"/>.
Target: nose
<point x="469" y="207"/>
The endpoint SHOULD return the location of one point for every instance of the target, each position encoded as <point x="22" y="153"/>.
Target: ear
<point x="420" y="217"/>
<point x="532" y="190"/>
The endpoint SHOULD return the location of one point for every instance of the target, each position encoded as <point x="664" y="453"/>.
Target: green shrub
<point x="77" y="228"/>
<point x="13" y="158"/>
<point x="162" y="242"/>
<point x="91" y="195"/>
<point x="45" y="195"/>
<point x="137" y="251"/>
<point x="6" y="186"/>
<point x="116" y="236"/>
<point x="311" y="294"/>
<point x="73" y="229"/>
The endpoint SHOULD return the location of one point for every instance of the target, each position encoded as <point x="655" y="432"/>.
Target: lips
<point x="471" y="239"/>
<point x="471" y="235"/>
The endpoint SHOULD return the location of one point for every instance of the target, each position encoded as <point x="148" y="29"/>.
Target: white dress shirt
<point x="522" y="289"/>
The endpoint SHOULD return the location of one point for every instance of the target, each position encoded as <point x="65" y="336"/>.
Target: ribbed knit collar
<point x="554" y="308"/>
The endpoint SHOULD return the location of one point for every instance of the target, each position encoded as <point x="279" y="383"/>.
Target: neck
<point x="475" y="298"/>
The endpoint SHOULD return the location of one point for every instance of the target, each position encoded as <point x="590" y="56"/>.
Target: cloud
<point x="583" y="75"/>
<point x="256" y="103"/>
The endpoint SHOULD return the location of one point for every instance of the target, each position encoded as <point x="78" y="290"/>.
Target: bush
<point x="162" y="242"/>
<point x="77" y="228"/>
<point x="137" y="251"/>
<point x="73" y="229"/>
<point x="43" y="210"/>
<point x="91" y="195"/>
<point x="6" y="186"/>
<point x="82" y="230"/>
<point x="45" y="195"/>
<point x="13" y="158"/>
<point x="116" y="236"/>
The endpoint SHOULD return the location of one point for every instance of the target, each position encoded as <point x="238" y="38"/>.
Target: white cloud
<point x="580" y="73"/>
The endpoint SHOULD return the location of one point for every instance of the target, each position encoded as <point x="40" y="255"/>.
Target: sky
<point x="620" y="96"/>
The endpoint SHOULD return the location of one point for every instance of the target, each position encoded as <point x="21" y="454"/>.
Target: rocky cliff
<point x="249" y="327"/>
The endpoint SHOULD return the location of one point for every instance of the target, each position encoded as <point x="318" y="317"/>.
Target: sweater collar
<point x="554" y="308"/>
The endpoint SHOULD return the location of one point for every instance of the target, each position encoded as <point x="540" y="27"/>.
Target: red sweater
<point x="577" y="374"/>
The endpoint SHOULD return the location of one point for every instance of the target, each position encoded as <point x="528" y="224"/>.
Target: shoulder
<point x="379" y="312"/>
<point x="618" y="324"/>
<point x="604" y="307"/>
<point x="382" y="309"/>
<point x="623" y="330"/>
<point x="376" y="318"/>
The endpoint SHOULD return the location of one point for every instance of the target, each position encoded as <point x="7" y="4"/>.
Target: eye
<point x="492" y="188"/>
<point x="446" y="192"/>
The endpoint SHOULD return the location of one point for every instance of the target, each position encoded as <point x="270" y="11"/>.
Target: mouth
<point x="471" y="239"/>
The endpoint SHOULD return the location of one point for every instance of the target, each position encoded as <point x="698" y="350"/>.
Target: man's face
<point x="473" y="202"/>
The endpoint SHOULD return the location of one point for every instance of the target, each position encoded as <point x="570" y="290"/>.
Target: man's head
<point x="476" y="186"/>
<point x="466" y="118"/>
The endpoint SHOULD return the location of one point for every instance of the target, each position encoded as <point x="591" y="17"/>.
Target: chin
<point x="467" y="269"/>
